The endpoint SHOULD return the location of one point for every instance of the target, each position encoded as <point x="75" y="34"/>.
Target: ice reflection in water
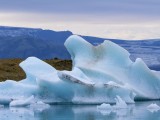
<point x="136" y="111"/>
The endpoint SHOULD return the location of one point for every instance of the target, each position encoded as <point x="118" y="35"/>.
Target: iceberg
<point x="99" y="74"/>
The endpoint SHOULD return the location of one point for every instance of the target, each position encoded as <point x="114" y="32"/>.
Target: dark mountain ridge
<point x="16" y="42"/>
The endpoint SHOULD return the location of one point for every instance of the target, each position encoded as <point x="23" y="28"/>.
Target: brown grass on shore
<point x="10" y="70"/>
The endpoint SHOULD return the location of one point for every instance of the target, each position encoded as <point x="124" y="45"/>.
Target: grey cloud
<point x="99" y="8"/>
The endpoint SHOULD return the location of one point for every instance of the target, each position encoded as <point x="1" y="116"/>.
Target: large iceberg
<point x="99" y="74"/>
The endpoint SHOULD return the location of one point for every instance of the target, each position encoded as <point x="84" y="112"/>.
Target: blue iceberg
<point x="99" y="74"/>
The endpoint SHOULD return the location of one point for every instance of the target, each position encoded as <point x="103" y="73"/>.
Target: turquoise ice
<point x="99" y="74"/>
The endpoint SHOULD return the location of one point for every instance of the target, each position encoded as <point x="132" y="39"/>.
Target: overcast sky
<point x="102" y="18"/>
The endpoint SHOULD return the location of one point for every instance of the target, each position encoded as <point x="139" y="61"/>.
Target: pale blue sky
<point x="82" y="16"/>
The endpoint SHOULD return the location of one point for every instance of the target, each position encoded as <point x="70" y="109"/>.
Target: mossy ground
<point x="10" y="70"/>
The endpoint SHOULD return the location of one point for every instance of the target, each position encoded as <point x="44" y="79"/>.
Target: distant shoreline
<point x="10" y="70"/>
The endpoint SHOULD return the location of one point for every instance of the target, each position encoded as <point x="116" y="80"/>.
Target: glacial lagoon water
<point x="137" y="111"/>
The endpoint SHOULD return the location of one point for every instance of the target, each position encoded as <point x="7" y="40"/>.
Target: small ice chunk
<point x="153" y="107"/>
<point x="21" y="102"/>
<point x="40" y="103"/>
<point x="120" y="104"/>
<point x="104" y="106"/>
<point x="39" y="106"/>
<point x="106" y="109"/>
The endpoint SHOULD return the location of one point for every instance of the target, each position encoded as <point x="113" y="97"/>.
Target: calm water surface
<point x="136" y="111"/>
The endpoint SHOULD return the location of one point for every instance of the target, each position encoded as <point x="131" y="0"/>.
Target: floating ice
<point x="22" y="103"/>
<point x="120" y="103"/>
<point x="104" y="106"/>
<point x="106" y="109"/>
<point x="153" y="107"/>
<point x="99" y="74"/>
<point x="40" y="106"/>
